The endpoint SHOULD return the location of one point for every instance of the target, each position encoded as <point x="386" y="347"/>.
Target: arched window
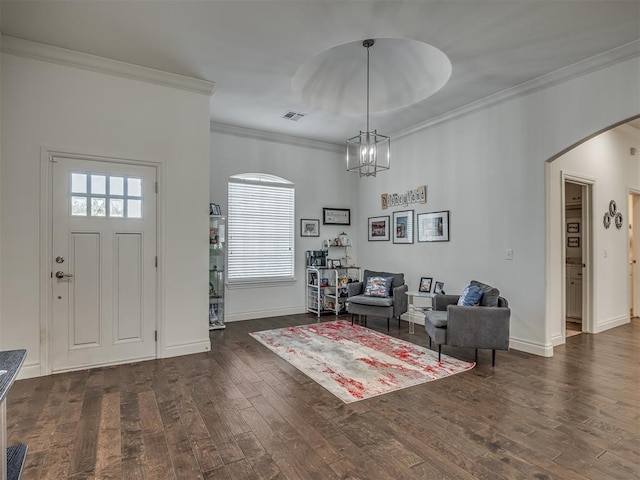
<point x="260" y="229"/>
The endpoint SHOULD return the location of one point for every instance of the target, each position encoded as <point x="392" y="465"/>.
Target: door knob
<point x="60" y="274"/>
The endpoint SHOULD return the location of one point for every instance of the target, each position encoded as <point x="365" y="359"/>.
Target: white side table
<point x="414" y="309"/>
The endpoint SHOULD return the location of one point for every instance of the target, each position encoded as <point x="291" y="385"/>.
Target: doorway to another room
<point x="574" y="215"/>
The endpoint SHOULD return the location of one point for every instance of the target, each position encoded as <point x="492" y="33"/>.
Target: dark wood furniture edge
<point x="10" y="360"/>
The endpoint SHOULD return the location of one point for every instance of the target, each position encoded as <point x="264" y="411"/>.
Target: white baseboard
<point x="274" y="312"/>
<point x="531" y="347"/>
<point x="612" y="323"/>
<point x="29" y="370"/>
<point x="558" y="340"/>
<point x="185" y="349"/>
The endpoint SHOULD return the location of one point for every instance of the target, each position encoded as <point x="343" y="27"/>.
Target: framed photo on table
<point x="433" y="226"/>
<point x="309" y="227"/>
<point x="403" y="226"/>
<point x="439" y="288"/>
<point x="425" y="284"/>
<point x="379" y="228"/>
<point x="336" y="216"/>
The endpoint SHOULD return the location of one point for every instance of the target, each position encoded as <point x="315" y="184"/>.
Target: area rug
<point x="355" y="363"/>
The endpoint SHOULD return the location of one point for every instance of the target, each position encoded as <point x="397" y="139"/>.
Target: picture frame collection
<point x="310" y="227"/>
<point x="403" y="227"/>
<point x="398" y="227"/>
<point x="429" y="227"/>
<point x="427" y="282"/>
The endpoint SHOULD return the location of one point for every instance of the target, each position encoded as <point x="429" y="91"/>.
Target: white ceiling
<point x="252" y="49"/>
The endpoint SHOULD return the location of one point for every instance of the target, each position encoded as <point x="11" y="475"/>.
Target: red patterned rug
<point x="355" y="363"/>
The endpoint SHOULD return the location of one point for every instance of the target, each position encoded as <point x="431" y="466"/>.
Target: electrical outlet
<point x="508" y="254"/>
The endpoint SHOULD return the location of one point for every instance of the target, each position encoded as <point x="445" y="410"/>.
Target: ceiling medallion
<point x="403" y="72"/>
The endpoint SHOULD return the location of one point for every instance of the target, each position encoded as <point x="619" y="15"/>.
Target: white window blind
<point x="260" y="229"/>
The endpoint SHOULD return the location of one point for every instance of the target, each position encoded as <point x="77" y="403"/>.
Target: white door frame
<point x="636" y="246"/>
<point x="46" y="247"/>
<point x="588" y="298"/>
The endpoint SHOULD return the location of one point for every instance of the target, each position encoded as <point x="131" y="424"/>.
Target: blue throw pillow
<point x="470" y="296"/>
<point x="378" y="286"/>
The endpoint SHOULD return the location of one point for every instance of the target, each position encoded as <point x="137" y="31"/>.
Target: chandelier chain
<point x="368" y="45"/>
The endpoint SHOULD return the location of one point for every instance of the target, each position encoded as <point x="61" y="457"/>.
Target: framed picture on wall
<point x="433" y="226"/>
<point x="309" y="227"/>
<point x="379" y="228"/>
<point x="403" y="226"/>
<point x="573" y="242"/>
<point x="214" y="209"/>
<point x="336" y="216"/>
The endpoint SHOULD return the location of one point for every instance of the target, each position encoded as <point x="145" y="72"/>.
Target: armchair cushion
<point x="490" y="294"/>
<point x="373" y="301"/>
<point x="378" y="286"/>
<point x="437" y="318"/>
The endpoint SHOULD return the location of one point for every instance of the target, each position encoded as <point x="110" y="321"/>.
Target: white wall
<point x="605" y="159"/>
<point x="488" y="169"/>
<point x="78" y="111"/>
<point x="321" y="180"/>
<point x="1" y="343"/>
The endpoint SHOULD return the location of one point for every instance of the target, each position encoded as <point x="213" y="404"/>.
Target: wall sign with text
<point x="417" y="195"/>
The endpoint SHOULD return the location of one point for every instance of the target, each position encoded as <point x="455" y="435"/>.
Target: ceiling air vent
<point x="293" y="116"/>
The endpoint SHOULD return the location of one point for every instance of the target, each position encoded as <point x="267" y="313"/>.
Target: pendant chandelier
<point x="369" y="152"/>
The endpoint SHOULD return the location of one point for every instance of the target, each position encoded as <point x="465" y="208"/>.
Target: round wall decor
<point x="618" y="220"/>
<point x="613" y="208"/>
<point x="606" y="221"/>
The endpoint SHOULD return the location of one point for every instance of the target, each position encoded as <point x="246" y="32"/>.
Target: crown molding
<point x="275" y="137"/>
<point x="591" y="64"/>
<point x="94" y="63"/>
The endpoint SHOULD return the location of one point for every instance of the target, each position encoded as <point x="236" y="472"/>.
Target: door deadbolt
<point x="59" y="259"/>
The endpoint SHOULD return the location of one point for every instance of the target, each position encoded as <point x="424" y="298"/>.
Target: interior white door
<point x="634" y="235"/>
<point x="103" y="270"/>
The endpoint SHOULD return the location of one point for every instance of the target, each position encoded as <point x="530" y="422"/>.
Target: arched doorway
<point x="604" y="168"/>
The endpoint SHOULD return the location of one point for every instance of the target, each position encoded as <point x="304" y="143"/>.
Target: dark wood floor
<point x="240" y="412"/>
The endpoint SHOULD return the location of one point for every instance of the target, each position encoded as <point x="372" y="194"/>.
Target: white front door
<point x="103" y="269"/>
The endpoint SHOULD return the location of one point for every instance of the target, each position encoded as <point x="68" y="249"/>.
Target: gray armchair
<point x="484" y="326"/>
<point x="387" y="307"/>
